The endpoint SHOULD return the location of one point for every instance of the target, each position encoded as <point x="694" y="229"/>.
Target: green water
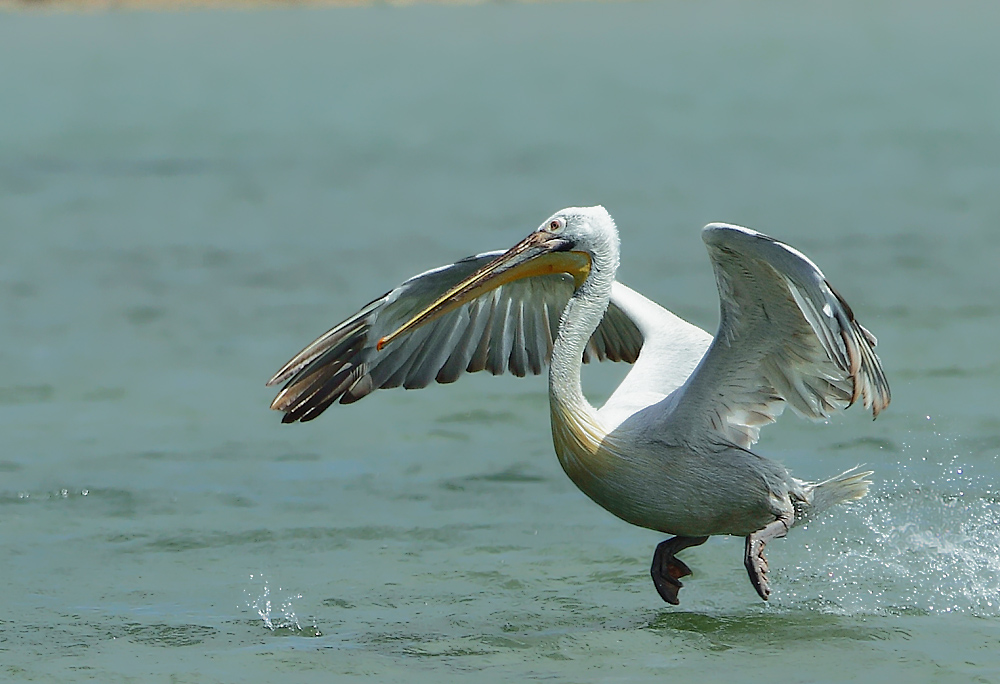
<point x="187" y="199"/>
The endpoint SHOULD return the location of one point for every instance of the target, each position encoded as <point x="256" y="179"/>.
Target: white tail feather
<point x="847" y="486"/>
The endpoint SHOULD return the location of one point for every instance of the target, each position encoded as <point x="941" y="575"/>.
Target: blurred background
<point x="188" y="198"/>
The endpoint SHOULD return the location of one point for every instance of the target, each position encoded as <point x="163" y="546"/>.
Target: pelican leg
<point x="754" y="559"/>
<point x="667" y="570"/>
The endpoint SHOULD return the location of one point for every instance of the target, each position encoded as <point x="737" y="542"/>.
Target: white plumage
<point x="670" y="448"/>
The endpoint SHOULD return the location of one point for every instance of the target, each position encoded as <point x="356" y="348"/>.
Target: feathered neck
<point x="576" y="428"/>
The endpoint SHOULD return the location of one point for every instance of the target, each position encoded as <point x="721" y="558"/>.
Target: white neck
<point x="577" y="431"/>
<point x="579" y="319"/>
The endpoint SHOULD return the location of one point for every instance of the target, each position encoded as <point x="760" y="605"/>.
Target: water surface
<point x="187" y="199"/>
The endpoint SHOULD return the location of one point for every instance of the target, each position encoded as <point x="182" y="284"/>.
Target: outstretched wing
<point x="509" y="328"/>
<point x="785" y="336"/>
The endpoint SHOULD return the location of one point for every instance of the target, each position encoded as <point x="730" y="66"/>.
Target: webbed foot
<point x="754" y="560"/>
<point x="756" y="566"/>
<point x="668" y="570"/>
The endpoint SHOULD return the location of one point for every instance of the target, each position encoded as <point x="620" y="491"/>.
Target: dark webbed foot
<point x="754" y="559"/>
<point x="667" y="570"/>
<point x="756" y="566"/>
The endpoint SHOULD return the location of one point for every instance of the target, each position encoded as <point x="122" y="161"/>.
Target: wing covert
<point x="785" y="337"/>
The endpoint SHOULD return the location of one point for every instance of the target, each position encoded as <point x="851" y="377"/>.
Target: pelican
<point x="670" y="449"/>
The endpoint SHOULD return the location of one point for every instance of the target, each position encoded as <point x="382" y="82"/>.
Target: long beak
<point x="541" y="253"/>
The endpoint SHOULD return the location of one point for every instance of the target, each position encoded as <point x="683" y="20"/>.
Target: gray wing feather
<point x="510" y="328"/>
<point x="785" y="337"/>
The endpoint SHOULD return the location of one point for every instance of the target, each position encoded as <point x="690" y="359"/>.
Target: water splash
<point x="926" y="541"/>
<point x="277" y="614"/>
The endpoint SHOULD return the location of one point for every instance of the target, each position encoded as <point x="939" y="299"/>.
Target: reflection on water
<point x="771" y="629"/>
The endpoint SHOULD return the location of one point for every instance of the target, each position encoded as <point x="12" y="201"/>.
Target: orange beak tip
<point x="380" y="344"/>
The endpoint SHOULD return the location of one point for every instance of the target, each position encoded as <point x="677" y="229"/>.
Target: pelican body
<point x="670" y="449"/>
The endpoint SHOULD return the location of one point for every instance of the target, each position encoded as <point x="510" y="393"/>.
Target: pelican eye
<point x="556" y="225"/>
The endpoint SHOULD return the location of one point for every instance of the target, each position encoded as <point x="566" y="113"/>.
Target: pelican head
<point x="592" y="231"/>
<point x="575" y="240"/>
